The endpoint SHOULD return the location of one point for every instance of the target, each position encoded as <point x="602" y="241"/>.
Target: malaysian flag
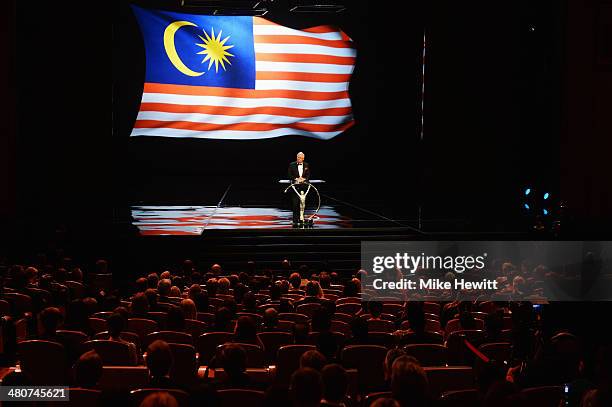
<point x="242" y="78"/>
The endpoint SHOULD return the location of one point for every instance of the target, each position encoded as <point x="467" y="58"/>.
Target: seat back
<point x="444" y="379"/>
<point x="142" y="327"/>
<point x="308" y="309"/>
<point x="21" y="302"/>
<point x="97" y="324"/>
<point x="255" y="354"/>
<point x="122" y="378"/>
<point x="460" y="398"/>
<point x="368" y="360"/>
<point x="112" y="353"/>
<point x="272" y="342"/>
<point x="195" y="328"/>
<point x="350" y="308"/>
<point x="385" y="339"/>
<point x="427" y="354"/>
<point x="293" y="317"/>
<point x="160" y="317"/>
<point x="238" y="397"/>
<point x="380" y="325"/>
<point x="369" y="399"/>
<point x="288" y="361"/>
<point x="137" y="396"/>
<point x="498" y="351"/>
<point x="43" y="361"/>
<point x="169" y="337"/>
<point x="184" y="368"/>
<point x="126" y="336"/>
<point x="207" y="345"/>
<point x="341" y="327"/>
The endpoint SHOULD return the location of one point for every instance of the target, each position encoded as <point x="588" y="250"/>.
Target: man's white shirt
<point x="300" y="169"/>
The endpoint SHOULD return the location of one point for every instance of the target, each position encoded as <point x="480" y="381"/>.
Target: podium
<point x="307" y="221"/>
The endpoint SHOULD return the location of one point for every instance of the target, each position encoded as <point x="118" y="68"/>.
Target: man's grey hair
<point x="300" y="153"/>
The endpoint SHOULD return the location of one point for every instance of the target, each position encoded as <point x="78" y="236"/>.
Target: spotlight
<point x="546" y="195"/>
<point x="527" y="191"/>
<point x="526" y="206"/>
<point x="545" y="211"/>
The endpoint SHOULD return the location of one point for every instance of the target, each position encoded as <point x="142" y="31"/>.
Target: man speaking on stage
<point x="299" y="172"/>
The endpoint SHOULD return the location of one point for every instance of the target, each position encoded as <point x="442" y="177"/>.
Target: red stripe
<point x="241" y="93"/>
<point x="303" y="76"/>
<point x="306" y="58"/>
<point x="242" y="111"/>
<point x="297" y="39"/>
<point x="148" y="124"/>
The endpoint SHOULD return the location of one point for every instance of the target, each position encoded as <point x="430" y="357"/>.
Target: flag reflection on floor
<point x="193" y="220"/>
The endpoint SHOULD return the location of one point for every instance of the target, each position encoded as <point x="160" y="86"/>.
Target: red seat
<point x="431" y="308"/>
<point x="339" y="316"/>
<point x="308" y="309"/>
<point x="460" y="398"/>
<point x="123" y="378"/>
<point x="293" y="317"/>
<point x="76" y="288"/>
<point x="5" y="308"/>
<point x="169" y="337"/>
<point x="391" y="308"/>
<point x="43" y="361"/>
<point x="288" y="361"/>
<point x="349" y="300"/>
<point x="126" y="336"/>
<point x="142" y="327"/>
<point x="102" y="314"/>
<point x="498" y="351"/>
<point x="137" y="396"/>
<point x="272" y="342"/>
<point x="380" y="325"/>
<point x="340" y="326"/>
<point x="195" y="328"/>
<point x="255" y="354"/>
<point x="368" y="360"/>
<point x="350" y="308"/>
<point x="79" y="397"/>
<point x="385" y="339"/>
<point x="455" y="325"/>
<point x="286" y="326"/>
<point x="97" y="324"/>
<point x="443" y="379"/>
<point x="184" y="368"/>
<point x="372" y="397"/>
<point x="237" y="397"/>
<point x="258" y="319"/>
<point x="21" y="303"/>
<point x="112" y="353"/>
<point x="206" y="317"/>
<point x="207" y="344"/>
<point x="427" y="354"/>
<point x="160" y="317"/>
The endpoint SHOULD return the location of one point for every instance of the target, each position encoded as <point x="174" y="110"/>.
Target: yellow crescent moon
<point x="171" y="49"/>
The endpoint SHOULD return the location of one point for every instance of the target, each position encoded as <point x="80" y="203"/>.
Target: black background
<point x="492" y="110"/>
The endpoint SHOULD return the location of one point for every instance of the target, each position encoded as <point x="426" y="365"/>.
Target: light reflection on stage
<point x="194" y="220"/>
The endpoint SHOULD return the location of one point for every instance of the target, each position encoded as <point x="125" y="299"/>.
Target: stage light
<point x="229" y="7"/>
<point x="527" y="191"/>
<point x="545" y="211"/>
<point x="526" y="206"/>
<point x="546" y="195"/>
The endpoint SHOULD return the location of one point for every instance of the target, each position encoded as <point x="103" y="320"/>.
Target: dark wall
<point x="585" y="145"/>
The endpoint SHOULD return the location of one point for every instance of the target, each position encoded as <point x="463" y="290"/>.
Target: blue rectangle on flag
<point x="199" y="50"/>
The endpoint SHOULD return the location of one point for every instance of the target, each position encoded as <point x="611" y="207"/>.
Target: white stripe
<point x="233" y="134"/>
<point x="303" y="49"/>
<point x="253" y="118"/>
<point x="280" y="30"/>
<point x="301" y="85"/>
<point x="243" y="102"/>
<point x="266" y="66"/>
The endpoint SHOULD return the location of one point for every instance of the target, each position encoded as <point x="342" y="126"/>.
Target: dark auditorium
<point x="304" y="203"/>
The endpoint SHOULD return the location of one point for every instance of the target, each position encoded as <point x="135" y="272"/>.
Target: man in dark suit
<point x="299" y="172"/>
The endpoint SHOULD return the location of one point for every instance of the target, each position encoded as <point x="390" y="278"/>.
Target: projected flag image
<point x="242" y="78"/>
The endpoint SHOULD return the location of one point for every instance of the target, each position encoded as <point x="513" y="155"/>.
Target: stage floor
<point x="246" y="206"/>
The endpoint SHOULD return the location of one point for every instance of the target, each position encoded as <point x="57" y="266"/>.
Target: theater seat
<point x="372" y="397"/>
<point x="308" y="309"/>
<point x="43" y="361"/>
<point x="126" y="336"/>
<point x="137" y="396"/>
<point x="255" y="354"/>
<point x="272" y="342"/>
<point x="195" y="328"/>
<point x="428" y="354"/>
<point x="236" y="397"/>
<point x="184" y="368"/>
<point x="461" y="398"/>
<point x="498" y="351"/>
<point x="207" y="345"/>
<point x="350" y="308"/>
<point x="169" y="337"/>
<point x="368" y="360"/>
<point x="112" y="353"/>
<point x="98" y="324"/>
<point x="293" y="317"/>
<point x="288" y="361"/>
<point x="444" y="379"/>
<point x="142" y="327"/>
<point x="79" y="397"/>
<point x="380" y="325"/>
<point x="122" y="378"/>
